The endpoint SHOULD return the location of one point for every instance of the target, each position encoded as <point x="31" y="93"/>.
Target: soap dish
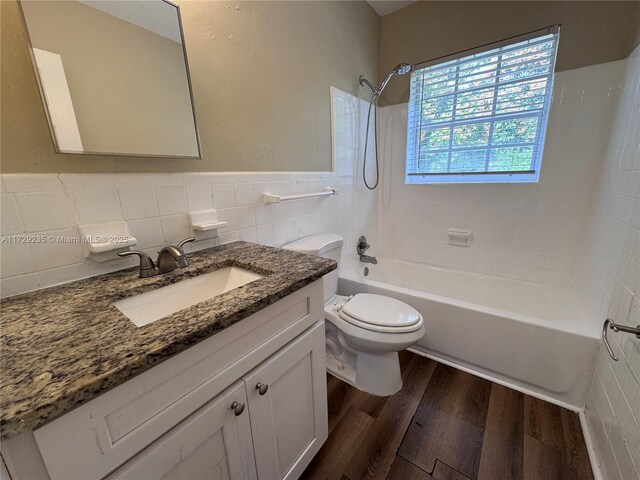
<point x="205" y="220"/>
<point x="103" y="240"/>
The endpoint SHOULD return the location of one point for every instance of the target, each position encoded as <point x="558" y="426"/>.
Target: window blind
<point x="482" y="117"/>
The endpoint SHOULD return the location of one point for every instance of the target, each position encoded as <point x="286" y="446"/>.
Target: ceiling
<point x="158" y="17"/>
<point x="384" y="7"/>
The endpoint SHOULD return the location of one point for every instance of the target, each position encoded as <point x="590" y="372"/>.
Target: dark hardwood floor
<point x="445" y="424"/>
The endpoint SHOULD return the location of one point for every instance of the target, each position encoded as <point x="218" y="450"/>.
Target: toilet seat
<point x="380" y="314"/>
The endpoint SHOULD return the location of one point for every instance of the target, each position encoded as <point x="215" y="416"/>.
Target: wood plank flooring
<point x="445" y="424"/>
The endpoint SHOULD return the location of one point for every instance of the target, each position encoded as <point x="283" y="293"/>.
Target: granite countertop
<point x="63" y="346"/>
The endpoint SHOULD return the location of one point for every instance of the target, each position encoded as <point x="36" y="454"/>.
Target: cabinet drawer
<point x="101" y="435"/>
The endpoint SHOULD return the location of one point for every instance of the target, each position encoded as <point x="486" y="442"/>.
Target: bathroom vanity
<point x="232" y="387"/>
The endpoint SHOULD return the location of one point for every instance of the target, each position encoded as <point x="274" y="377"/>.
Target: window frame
<point x="530" y="176"/>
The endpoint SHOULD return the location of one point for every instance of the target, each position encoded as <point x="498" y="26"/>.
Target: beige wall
<point x="592" y="32"/>
<point x="261" y="73"/>
<point x="128" y="85"/>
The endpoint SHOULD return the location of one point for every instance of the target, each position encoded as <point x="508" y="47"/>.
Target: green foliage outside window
<point x="485" y="114"/>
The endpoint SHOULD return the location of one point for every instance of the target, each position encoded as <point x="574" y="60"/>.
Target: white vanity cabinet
<point x="250" y="402"/>
<point x="213" y="443"/>
<point x="287" y="398"/>
<point x="286" y="421"/>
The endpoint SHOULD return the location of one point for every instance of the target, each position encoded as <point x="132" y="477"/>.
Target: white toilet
<point x="365" y="332"/>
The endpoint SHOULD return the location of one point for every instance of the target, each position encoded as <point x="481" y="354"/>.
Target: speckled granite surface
<point x="65" y="345"/>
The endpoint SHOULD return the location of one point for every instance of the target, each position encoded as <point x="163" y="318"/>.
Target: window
<point x="481" y="118"/>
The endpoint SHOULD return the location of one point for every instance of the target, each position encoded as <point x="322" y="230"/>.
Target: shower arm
<point x="364" y="81"/>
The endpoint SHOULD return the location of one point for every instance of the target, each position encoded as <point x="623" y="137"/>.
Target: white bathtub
<point x="534" y="338"/>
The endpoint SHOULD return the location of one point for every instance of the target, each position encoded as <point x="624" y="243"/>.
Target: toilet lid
<point x="381" y="311"/>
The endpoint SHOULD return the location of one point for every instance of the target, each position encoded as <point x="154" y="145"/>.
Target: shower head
<point x="400" y="69"/>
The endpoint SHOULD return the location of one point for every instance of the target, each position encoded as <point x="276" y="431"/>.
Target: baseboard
<point x="593" y="458"/>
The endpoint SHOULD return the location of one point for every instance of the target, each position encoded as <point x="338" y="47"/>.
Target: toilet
<point x="364" y="332"/>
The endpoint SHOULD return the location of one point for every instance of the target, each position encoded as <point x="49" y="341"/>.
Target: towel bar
<point x="271" y="198"/>
<point x="610" y="324"/>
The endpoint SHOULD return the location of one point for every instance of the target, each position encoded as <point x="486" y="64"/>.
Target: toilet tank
<point x="326" y="245"/>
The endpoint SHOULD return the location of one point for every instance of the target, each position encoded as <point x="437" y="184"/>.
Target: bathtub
<point x="534" y="338"/>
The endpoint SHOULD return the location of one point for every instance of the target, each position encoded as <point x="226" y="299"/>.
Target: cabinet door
<point x="289" y="419"/>
<point x="213" y="443"/>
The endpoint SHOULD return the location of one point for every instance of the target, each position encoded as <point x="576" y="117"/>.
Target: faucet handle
<point x="147" y="267"/>
<point x="363" y="245"/>
<point x="184" y="242"/>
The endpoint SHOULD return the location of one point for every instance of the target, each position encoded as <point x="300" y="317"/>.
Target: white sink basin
<point x="151" y="306"/>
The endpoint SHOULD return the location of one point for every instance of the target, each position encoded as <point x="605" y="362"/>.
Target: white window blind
<point x="482" y="117"/>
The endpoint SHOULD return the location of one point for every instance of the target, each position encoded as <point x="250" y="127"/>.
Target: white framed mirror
<point x="113" y="76"/>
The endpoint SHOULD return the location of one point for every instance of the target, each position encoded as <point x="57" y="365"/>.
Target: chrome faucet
<point x="362" y="247"/>
<point x="169" y="258"/>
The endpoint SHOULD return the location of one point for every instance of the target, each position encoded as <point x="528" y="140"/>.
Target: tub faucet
<point x="169" y="258"/>
<point x="368" y="259"/>
<point x="362" y="247"/>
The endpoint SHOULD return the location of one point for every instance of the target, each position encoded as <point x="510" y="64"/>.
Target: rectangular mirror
<point x="113" y="76"/>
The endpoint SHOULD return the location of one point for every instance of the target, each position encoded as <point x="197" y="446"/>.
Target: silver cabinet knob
<point x="262" y="388"/>
<point x="238" y="408"/>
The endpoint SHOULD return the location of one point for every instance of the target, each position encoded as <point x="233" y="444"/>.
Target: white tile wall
<point x="608" y="279"/>
<point x="45" y="210"/>
<point x="155" y="207"/>
<point x="171" y="199"/>
<point x="530" y="232"/>
<point x="11" y="221"/>
<point x="138" y="203"/>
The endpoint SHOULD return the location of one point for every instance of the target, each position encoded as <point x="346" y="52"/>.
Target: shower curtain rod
<point x="483" y="48"/>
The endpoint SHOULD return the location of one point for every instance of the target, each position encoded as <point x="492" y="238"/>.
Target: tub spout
<point x="368" y="259"/>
